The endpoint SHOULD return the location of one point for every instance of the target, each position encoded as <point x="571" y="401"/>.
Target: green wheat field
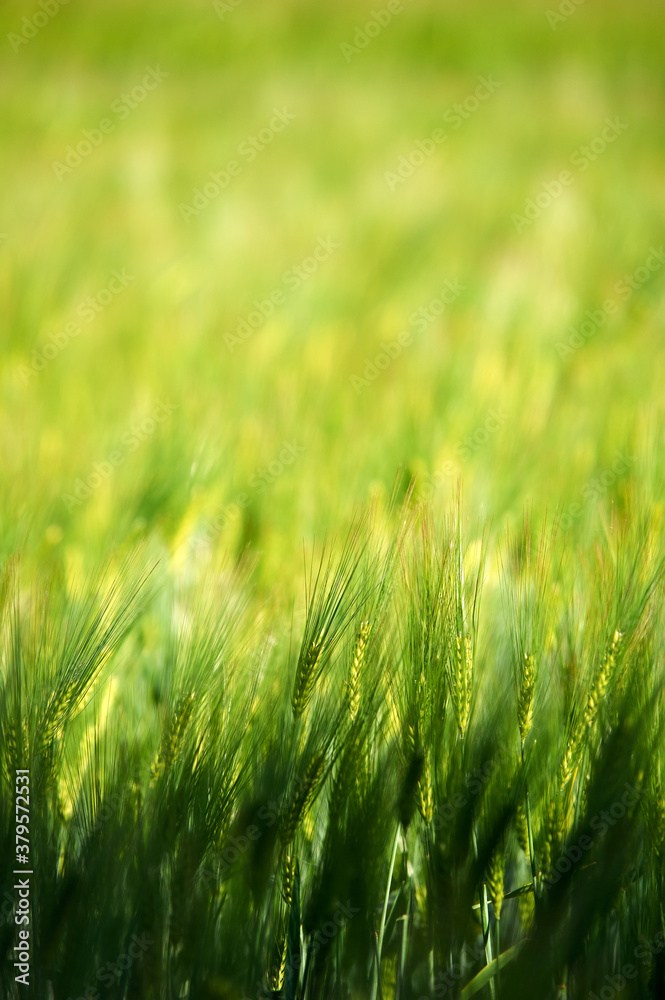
<point x="332" y="541"/>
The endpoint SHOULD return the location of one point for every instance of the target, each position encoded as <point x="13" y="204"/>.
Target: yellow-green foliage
<point x="198" y="385"/>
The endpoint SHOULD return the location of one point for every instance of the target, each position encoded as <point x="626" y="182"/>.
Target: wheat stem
<point x="376" y="980"/>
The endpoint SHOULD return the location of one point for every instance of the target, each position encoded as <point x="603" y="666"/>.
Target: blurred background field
<point x="165" y="336"/>
<point x="390" y="293"/>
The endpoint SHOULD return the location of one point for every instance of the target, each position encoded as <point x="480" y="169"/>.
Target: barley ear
<point x="526" y="906"/>
<point x="301" y="799"/>
<point x="425" y="797"/>
<point x="570" y="758"/>
<point x="522" y="830"/>
<point x="172" y="737"/>
<point x="354" y="684"/>
<point x="526" y="693"/>
<point x="495" y="881"/>
<point x="602" y="681"/>
<point x="306" y="673"/>
<point x="279" y="970"/>
<point x="463" y="682"/>
<point x="288" y="876"/>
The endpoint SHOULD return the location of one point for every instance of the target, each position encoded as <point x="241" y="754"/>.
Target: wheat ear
<point x="495" y="881"/>
<point x="354" y="685"/>
<point x="526" y="695"/>
<point x="301" y="799"/>
<point x="170" y="743"/>
<point x="603" y="678"/>
<point x="306" y="673"/>
<point x="463" y="682"/>
<point x="278" y="975"/>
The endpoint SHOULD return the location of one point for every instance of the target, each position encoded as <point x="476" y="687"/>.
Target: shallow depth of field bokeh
<point x="167" y="334"/>
<point x="429" y="272"/>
